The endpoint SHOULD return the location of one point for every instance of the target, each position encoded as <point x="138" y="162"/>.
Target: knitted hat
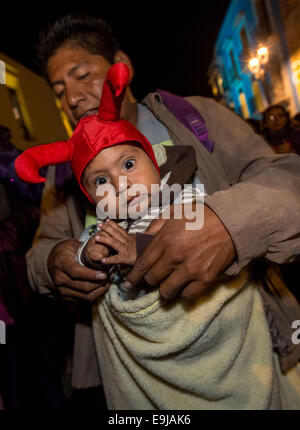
<point x="91" y="135"/>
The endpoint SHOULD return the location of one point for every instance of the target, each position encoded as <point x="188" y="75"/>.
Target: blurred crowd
<point x="34" y="367"/>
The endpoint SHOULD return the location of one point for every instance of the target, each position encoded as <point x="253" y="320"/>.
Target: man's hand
<point x="71" y="279"/>
<point x="94" y="250"/>
<point x="183" y="261"/>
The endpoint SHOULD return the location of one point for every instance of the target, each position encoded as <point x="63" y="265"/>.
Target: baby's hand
<point x="118" y="239"/>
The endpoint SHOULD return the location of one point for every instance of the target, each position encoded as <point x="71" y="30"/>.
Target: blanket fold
<point x="214" y="354"/>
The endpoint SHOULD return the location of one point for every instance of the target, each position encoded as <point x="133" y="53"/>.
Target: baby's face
<point x="125" y="167"/>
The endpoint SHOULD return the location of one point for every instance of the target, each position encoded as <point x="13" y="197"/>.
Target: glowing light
<point x="296" y="71"/>
<point x="263" y="54"/>
<point x="254" y="66"/>
<point x="262" y="51"/>
<point x="254" y="62"/>
<point x="257" y="63"/>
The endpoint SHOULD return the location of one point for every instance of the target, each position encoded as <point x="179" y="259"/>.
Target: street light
<point x="256" y="64"/>
<point x="263" y="54"/>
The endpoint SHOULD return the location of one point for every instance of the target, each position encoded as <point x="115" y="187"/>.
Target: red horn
<point x="113" y="92"/>
<point x="28" y="164"/>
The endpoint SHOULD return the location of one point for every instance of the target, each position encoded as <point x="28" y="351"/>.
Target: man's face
<point x="77" y="77"/>
<point x="124" y="167"/>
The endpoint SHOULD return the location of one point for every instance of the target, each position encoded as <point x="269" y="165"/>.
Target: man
<point x="252" y="209"/>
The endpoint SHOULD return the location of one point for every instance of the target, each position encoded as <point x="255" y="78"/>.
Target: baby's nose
<point x="122" y="185"/>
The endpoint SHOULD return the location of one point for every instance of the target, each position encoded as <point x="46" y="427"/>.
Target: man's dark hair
<point x="87" y="31"/>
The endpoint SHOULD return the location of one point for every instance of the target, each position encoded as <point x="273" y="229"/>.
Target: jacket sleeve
<point x="55" y="227"/>
<point x="261" y="208"/>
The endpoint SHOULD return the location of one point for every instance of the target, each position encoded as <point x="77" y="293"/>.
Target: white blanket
<point x="214" y="354"/>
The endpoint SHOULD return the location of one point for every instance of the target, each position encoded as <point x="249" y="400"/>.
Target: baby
<point x="117" y="169"/>
<point x="134" y="199"/>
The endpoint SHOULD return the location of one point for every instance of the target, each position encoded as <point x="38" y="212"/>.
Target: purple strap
<point x="188" y="116"/>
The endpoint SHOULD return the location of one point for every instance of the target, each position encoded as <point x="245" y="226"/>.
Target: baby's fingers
<point x="117" y="227"/>
<point x="113" y="230"/>
<point x="111" y="242"/>
<point x="114" y="259"/>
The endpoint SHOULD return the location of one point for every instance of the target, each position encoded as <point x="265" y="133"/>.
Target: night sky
<point x="170" y="49"/>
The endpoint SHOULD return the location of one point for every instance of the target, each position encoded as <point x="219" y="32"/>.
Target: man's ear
<point x="121" y="57"/>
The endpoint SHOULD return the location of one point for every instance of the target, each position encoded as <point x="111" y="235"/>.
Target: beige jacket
<point x="255" y="193"/>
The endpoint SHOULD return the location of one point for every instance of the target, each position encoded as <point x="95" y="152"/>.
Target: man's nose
<point x="74" y="96"/>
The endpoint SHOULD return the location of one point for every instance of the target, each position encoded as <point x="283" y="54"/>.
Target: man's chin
<point x="73" y="122"/>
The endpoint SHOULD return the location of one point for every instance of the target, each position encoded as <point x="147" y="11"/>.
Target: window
<point x="18" y="104"/>
<point x="245" y="44"/>
<point x="219" y="84"/>
<point x="258" y="99"/>
<point x="2" y="73"/>
<point x="244" y="104"/>
<point x="18" y="114"/>
<point x="215" y="89"/>
<point x="264" y="26"/>
<point x="64" y="118"/>
<point x="234" y="69"/>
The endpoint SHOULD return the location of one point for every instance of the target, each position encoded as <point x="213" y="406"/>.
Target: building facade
<point x="28" y="106"/>
<point x="290" y="16"/>
<point x="265" y="32"/>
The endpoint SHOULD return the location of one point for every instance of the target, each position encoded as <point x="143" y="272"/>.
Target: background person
<point x="279" y="131"/>
<point x="296" y="120"/>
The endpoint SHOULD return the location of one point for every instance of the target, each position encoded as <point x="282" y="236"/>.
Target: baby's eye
<point x="128" y="164"/>
<point x="101" y="180"/>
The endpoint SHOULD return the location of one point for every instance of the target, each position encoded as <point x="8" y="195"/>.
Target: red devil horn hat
<point x="91" y="135"/>
<point x="28" y="164"/>
<point x="113" y="92"/>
